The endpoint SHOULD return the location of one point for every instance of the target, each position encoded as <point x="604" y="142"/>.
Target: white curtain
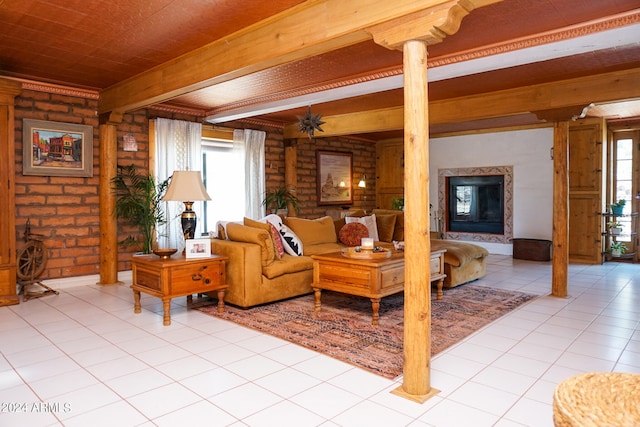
<point x="178" y="147"/>
<point x="250" y="145"/>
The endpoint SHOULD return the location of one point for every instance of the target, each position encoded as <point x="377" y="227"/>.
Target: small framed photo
<point x="198" y="248"/>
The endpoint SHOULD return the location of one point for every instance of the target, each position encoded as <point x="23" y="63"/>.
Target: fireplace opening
<point x="476" y="204"/>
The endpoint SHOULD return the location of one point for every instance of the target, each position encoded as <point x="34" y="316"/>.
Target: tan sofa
<point x="463" y="261"/>
<point x="257" y="275"/>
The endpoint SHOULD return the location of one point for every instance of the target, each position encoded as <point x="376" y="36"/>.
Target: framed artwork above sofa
<point x="334" y="178"/>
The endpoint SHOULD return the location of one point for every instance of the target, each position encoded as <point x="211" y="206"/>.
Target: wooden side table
<point x="177" y="276"/>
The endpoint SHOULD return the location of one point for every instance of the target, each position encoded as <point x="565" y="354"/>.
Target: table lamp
<point x="186" y="187"/>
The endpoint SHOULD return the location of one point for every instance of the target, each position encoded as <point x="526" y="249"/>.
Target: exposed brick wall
<point x="66" y="210"/>
<point x="364" y="162"/>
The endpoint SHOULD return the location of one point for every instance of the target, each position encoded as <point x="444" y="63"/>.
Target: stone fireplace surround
<point x="507" y="172"/>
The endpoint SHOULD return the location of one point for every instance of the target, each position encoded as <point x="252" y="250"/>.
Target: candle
<point x="367" y="243"/>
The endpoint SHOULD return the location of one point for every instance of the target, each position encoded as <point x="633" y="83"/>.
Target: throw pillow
<point x="269" y="227"/>
<point x="351" y="234"/>
<point x="338" y="224"/>
<point x="243" y="233"/>
<point x="386" y="227"/>
<point x="221" y="229"/>
<point x="222" y="233"/>
<point x="291" y="242"/>
<point x="398" y="232"/>
<point x="274" y="219"/>
<point x="369" y="222"/>
<point x="277" y="239"/>
<point x="313" y="231"/>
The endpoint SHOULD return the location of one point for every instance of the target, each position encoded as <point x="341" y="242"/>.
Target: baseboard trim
<point x="72" y="282"/>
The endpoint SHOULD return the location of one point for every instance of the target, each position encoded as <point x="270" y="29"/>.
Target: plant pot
<point x="615" y="231"/>
<point x="617" y="210"/>
<point x="616" y="252"/>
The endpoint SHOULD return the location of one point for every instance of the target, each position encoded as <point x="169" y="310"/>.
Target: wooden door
<point x="586" y="183"/>
<point x="389" y="172"/>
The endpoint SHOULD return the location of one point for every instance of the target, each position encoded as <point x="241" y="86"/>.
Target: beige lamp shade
<point x="363" y="182"/>
<point x="186" y="185"/>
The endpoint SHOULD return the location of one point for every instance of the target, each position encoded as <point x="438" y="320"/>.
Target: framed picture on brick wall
<point x="56" y="149"/>
<point x="334" y="178"/>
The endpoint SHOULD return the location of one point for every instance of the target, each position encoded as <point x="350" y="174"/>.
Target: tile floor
<point x="83" y="358"/>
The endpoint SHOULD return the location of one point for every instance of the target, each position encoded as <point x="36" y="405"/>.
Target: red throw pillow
<point x="277" y="240"/>
<point x="351" y="234"/>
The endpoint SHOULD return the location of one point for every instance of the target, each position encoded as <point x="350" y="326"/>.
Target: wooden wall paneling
<point x="8" y="91"/>
<point x="389" y="172"/>
<point x="586" y="186"/>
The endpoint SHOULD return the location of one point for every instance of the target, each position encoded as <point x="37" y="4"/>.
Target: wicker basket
<point x="598" y="399"/>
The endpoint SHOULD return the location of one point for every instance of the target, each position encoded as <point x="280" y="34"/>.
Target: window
<point x="223" y="176"/>
<point x="623" y="173"/>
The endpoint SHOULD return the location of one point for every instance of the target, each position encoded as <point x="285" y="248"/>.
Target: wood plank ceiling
<point x="96" y="44"/>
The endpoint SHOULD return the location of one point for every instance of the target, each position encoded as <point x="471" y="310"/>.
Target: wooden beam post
<point x="108" y="221"/>
<point x="560" y="259"/>
<point x="417" y="270"/>
<point x="291" y="171"/>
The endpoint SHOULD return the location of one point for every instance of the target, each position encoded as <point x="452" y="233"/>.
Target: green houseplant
<point x="615" y="227"/>
<point x="397" y="203"/>
<point x="280" y="198"/>
<point x="139" y="203"/>
<point x="617" y="248"/>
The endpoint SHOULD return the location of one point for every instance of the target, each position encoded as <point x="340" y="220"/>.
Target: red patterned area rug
<point x="343" y="330"/>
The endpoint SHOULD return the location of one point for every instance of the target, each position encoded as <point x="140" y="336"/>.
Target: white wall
<point x="528" y="151"/>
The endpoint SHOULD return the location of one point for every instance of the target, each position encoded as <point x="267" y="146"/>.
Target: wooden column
<point x="290" y="170"/>
<point x="108" y="221"/>
<point x="560" y="260"/>
<point x="417" y="286"/>
<point x="9" y="89"/>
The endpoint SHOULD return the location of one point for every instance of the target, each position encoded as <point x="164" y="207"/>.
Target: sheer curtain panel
<point x="251" y="144"/>
<point x="178" y="147"/>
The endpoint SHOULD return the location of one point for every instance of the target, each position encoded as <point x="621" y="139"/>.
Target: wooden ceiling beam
<point x="430" y="25"/>
<point x="289" y="36"/>
<point x="567" y="96"/>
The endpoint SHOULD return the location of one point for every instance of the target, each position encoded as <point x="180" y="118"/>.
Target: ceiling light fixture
<point x="310" y="122"/>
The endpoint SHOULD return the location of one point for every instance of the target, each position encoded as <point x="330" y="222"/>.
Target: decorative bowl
<point x="165" y="253"/>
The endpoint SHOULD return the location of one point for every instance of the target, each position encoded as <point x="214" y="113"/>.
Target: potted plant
<point x="615" y="228"/>
<point x="397" y="203"/>
<point x="139" y="203"/>
<point x="618" y="249"/>
<point x="616" y="208"/>
<point x="279" y="199"/>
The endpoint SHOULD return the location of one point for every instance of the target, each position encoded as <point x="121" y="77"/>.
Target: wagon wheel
<point x="32" y="259"/>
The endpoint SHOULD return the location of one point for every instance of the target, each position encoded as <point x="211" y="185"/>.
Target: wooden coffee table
<point x="371" y="278"/>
